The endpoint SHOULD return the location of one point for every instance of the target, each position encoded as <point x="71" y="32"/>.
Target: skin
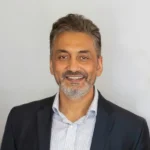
<point x="75" y="51"/>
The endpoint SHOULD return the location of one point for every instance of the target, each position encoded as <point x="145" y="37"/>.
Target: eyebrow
<point x="61" y="51"/>
<point x="65" y="51"/>
<point x="84" y="51"/>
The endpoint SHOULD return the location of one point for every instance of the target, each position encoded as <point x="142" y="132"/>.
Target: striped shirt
<point x="67" y="135"/>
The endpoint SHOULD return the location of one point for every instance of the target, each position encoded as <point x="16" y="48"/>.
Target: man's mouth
<point x="75" y="78"/>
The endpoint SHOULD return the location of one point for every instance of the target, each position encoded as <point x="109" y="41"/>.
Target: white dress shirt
<point x="67" y="135"/>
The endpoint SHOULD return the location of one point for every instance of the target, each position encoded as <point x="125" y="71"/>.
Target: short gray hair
<point x="77" y="23"/>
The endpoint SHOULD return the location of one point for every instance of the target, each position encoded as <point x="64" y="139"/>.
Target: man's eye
<point x="84" y="58"/>
<point x="62" y="57"/>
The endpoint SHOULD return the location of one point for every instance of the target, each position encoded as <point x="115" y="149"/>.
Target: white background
<point x="24" y="50"/>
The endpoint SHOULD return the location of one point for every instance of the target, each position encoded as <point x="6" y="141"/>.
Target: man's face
<point x="74" y="63"/>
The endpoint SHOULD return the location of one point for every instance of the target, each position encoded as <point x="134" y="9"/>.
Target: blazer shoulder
<point x="122" y="114"/>
<point x="29" y="109"/>
<point x="129" y="125"/>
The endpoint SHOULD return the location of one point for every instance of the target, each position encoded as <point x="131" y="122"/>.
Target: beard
<point x="74" y="91"/>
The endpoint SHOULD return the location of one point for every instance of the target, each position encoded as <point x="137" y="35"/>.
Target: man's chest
<point x="75" y="136"/>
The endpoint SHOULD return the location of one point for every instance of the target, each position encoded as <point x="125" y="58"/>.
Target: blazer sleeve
<point x="8" y="141"/>
<point x="143" y="142"/>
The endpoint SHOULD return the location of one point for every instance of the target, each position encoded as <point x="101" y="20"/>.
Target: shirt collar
<point x="55" y="106"/>
<point x="92" y="108"/>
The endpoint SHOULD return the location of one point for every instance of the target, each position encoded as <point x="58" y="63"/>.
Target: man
<point x="78" y="117"/>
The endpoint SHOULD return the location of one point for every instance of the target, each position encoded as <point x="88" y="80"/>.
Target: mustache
<point x="69" y="72"/>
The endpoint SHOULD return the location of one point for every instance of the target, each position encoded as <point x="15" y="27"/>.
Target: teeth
<point x="75" y="78"/>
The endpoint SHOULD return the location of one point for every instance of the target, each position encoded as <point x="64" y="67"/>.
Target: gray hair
<point x="77" y="23"/>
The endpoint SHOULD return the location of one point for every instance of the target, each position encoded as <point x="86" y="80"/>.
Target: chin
<point x="75" y="91"/>
<point x="76" y="86"/>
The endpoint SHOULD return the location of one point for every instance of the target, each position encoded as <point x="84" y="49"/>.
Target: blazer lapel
<point x="103" y="125"/>
<point x="44" y="122"/>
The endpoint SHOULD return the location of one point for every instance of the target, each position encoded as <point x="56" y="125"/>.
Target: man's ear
<point x="51" y="67"/>
<point x="99" y="65"/>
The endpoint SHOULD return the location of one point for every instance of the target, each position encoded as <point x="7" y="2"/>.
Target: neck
<point x="75" y="109"/>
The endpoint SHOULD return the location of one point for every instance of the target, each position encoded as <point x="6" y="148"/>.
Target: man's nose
<point x="73" y="65"/>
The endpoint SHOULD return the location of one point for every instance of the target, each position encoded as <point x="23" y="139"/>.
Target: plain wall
<point x="24" y="51"/>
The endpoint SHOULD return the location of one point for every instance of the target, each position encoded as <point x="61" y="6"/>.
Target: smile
<point x="74" y="78"/>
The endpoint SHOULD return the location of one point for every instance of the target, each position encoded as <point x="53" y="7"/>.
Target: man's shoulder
<point x="126" y="125"/>
<point x="123" y="116"/>
<point x="29" y="109"/>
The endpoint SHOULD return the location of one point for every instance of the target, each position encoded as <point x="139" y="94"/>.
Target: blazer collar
<point x="44" y="123"/>
<point x="103" y="125"/>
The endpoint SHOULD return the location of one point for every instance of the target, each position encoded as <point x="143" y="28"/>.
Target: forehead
<point x="73" y="40"/>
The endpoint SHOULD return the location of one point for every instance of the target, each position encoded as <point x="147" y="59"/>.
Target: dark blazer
<point x="29" y="128"/>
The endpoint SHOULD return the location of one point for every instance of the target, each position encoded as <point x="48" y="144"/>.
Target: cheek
<point x="90" y="70"/>
<point x="92" y="67"/>
<point x="59" y="68"/>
